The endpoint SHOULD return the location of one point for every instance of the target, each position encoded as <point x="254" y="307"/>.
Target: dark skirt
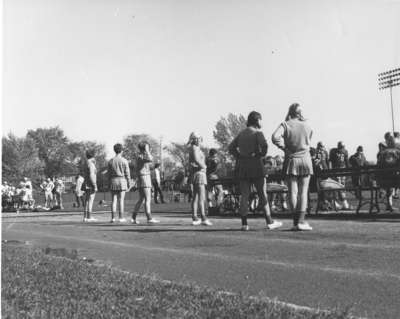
<point x="249" y="168"/>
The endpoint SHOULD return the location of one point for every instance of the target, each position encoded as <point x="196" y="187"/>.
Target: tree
<point x="227" y="128"/>
<point x="78" y="153"/>
<point x="53" y="150"/>
<point x="20" y="158"/>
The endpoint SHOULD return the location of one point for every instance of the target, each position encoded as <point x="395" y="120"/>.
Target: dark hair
<point x="391" y="142"/>
<point x="320" y="144"/>
<point x="156" y="165"/>
<point x="396" y="134"/>
<point x="212" y="152"/>
<point x="252" y="119"/>
<point x="142" y="145"/>
<point x="294" y="112"/>
<point x="387" y="135"/>
<point x="90" y="153"/>
<point x="360" y="149"/>
<point x="340" y="144"/>
<point x="117" y="148"/>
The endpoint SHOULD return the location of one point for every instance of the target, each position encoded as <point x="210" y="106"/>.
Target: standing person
<point x="293" y="137"/>
<point x="198" y="180"/>
<point x="396" y="136"/>
<point x="212" y="164"/>
<point x="156" y="181"/>
<point x="58" y="190"/>
<point x="89" y="185"/>
<point x="144" y="183"/>
<point x="47" y="187"/>
<point x="249" y="148"/>
<point x="321" y="157"/>
<point x="357" y="160"/>
<point x="79" y="193"/>
<point x="387" y="158"/>
<point x="339" y="158"/>
<point x="119" y="178"/>
<point x="29" y="192"/>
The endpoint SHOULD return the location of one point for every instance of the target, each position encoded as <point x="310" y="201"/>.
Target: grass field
<point x="346" y="262"/>
<point x="36" y="285"/>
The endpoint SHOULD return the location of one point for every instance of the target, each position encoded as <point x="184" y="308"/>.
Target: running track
<point x="344" y="263"/>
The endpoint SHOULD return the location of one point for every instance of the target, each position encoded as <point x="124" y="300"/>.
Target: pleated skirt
<point x="298" y="166"/>
<point x="118" y="184"/>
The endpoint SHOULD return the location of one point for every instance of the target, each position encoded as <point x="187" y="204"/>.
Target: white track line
<point x="197" y="253"/>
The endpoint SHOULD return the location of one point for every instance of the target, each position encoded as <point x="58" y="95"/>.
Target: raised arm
<point x="278" y="137"/>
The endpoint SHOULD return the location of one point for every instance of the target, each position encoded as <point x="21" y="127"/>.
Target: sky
<point x="103" y="69"/>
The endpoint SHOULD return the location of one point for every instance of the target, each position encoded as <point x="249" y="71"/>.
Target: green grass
<point x="37" y="285"/>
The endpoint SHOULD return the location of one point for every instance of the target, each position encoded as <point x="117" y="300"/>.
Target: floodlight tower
<point x="389" y="79"/>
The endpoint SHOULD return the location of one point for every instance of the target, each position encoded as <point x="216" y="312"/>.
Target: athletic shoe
<point x="245" y="227"/>
<point x="304" y="226"/>
<point x="122" y="220"/>
<point x="274" y="225"/>
<point x="134" y="221"/>
<point x="206" y="222"/>
<point x="196" y="222"/>
<point x="113" y="220"/>
<point x="91" y="219"/>
<point x="153" y="221"/>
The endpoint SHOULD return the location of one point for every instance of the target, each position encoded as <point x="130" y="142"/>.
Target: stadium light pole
<point x="389" y="79"/>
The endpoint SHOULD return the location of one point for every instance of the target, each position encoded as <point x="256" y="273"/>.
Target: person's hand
<point x="96" y="189"/>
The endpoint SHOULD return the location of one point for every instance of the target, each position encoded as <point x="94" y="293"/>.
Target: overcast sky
<point x="102" y="69"/>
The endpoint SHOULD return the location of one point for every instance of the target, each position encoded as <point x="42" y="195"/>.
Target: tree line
<point x="49" y="152"/>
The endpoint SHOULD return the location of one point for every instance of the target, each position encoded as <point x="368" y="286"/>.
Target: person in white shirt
<point x="28" y="192"/>
<point x="58" y="190"/>
<point x="79" y="193"/>
<point x="47" y="186"/>
<point x="156" y="181"/>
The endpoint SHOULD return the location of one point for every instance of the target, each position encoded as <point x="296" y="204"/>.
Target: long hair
<point x="295" y="112"/>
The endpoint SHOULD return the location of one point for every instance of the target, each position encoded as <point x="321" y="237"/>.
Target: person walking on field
<point x="156" y="181"/>
<point x="293" y="136"/>
<point x="198" y="179"/>
<point x="89" y="185"/>
<point x="119" y="178"/>
<point x="144" y="183"/>
<point x="249" y="148"/>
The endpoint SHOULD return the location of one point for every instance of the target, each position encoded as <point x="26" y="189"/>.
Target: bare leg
<point x="138" y="204"/>
<point x="303" y="183"/>
<point x="147" y="202"/>
<point x="195" y="202"/>
<point x="261" y="187"/>
<point x="121" y="199"/>
<point x="202" y="200"/>
<point x="114" y="197"/>
<point x="89" y="203"/>
<point x="293" y="191"/>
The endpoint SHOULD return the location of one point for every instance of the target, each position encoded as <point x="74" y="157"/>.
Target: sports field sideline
<point x="344" y="262"/>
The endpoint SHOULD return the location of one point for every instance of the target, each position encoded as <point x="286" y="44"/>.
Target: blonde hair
<point x="295" y="111"/>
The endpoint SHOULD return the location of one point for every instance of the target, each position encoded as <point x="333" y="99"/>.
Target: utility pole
<point x="386" y="80"/>
<point x="161" y="159"/>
